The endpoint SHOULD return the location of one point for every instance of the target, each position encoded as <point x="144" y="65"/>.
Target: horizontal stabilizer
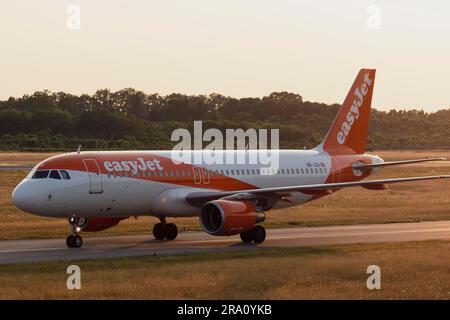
<point x="396" y="163"/>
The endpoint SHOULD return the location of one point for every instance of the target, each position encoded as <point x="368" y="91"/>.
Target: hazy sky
<point x="233" y="47"/>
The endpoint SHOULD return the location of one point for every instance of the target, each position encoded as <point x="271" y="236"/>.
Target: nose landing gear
<point x="74" y="240"/>
<point x="165" y="230"/>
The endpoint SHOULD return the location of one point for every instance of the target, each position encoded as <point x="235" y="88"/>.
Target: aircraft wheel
<point x="246" y="236"/>
<point x="159" y="231"/>
<point x="171" y="231"/>
<point x="258" y="234"/>
<point x="70" y="241"/>
<point x="74" y="241"/>
<point x="78" y="241"/>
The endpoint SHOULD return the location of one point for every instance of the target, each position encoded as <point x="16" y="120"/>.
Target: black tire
<point x="258" y="234"/>
<point x="159" y="231"/>
<point x="171" y="231"/>
<point x="78" y="242"/>
<point x="246" y="237"/>
<point x="70" y="241"/>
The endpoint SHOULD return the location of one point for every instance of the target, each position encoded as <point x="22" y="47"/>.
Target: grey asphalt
<point x="25" y="251"/>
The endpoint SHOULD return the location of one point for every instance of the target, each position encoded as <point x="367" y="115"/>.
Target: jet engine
<point x="226" y="218"/>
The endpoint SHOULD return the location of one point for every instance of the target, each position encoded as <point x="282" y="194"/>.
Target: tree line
<point x="131" y="119"/>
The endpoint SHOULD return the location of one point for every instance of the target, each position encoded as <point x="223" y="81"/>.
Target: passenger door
<point x="95" y="176"/>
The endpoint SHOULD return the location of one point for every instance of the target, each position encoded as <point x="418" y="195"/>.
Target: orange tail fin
<point x="348" y="133"/>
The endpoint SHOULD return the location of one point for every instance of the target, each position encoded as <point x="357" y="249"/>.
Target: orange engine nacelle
<point x="98" y="224"/>
<point x="225" y="218"/>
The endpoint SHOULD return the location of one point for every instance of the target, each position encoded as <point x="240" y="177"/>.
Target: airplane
<point x="96" y="190"/>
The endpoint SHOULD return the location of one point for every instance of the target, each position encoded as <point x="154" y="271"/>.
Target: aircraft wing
<point x="279" y="193"/>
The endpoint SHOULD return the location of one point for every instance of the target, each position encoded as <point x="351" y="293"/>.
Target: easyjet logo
<point x="133" y="165"/>
<point x="353" y="114"/>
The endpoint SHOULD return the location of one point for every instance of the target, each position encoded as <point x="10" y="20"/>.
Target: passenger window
<point x="296" y="170"/>
<point x="65" y="175"/>
<point x="41" y="174"/>
<point x="253" y="171"/>
<point x="282" y="171"/>
<point x="316" y="170"/>
<point x="303" y="171"/>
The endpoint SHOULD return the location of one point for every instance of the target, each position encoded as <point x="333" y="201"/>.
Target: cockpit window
<point x="54" y="174"/>
<point x="65" y="175"/>
<point x="40" y="174"/>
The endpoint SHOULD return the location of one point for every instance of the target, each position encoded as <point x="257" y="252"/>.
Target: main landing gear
<point x="163" y="230"/>
<point x="74" y="240"/>
<point x="257" y="234"/>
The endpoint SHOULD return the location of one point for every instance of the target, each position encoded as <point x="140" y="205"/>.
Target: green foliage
<point x="130" y="119"/>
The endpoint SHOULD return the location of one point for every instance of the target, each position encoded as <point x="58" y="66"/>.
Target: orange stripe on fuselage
<point x="74" y="161"/>
<point x="342" y="171"/>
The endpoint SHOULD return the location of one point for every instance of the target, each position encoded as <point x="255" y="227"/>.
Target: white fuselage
<point x="108" y="192"/>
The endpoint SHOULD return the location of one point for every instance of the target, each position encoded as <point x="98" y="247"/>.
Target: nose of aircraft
<point x="21" y="197"/>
